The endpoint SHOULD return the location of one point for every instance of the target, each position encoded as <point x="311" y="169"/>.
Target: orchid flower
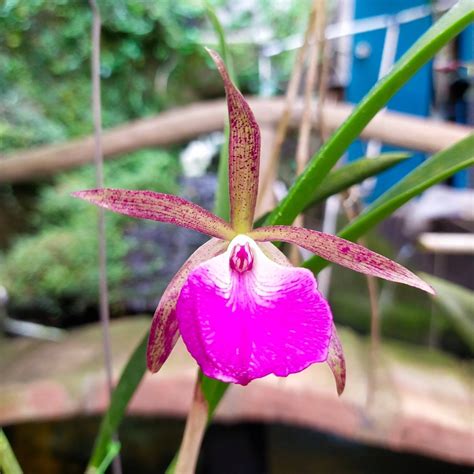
<point x="242" y="310"/>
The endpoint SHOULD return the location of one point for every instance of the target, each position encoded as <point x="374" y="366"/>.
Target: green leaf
<point x="8" y="461"/>
<point x="222" y="202"/>
<point x="444" y="30"/>
<point x="213" y="391"/>
<point x="113" y="449"/>
<point x="130" y="378"/>
<point x="347" y="176"/>
<point x="225" y="54"/>
<point x="457" y="303"/>
<point x="434" y="170"/>
<point x="354" y="173"/>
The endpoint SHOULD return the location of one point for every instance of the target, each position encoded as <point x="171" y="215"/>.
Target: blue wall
<point x="414" y="98"/>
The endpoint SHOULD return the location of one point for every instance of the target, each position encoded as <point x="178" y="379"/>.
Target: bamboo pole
<point x="182" y="124"/>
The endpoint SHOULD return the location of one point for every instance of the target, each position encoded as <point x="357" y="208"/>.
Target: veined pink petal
<point x="343" y="252"/>
<point x="159" y="207"/>
<point x="243" y="316"/>
<point x="336" y="361"/>
<point x="244" y="153"/>
<point x="164" y="327"/>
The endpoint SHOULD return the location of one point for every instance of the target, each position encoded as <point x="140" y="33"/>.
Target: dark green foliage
<point x="45" y="80"/>
<point x="58" y="264"/>
<point x="152" y="57"/>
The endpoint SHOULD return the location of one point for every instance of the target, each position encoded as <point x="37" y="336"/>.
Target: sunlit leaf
<point x="354" y="173"/>
<point x="432" y="171"/>
<point x="8" y="461"/>
<point x="130" y="378"/>
<point x="457" y="304"/>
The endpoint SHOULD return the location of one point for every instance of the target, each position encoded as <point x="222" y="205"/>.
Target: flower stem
<point x="352" y="212"/>
<point x="316" y="39"/>
<point x="196" y="423"/>
<point x="290" y="98"/>
<point x="99" y="166"/>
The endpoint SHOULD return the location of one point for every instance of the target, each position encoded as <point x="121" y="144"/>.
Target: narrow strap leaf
<point x="434" y="170"/>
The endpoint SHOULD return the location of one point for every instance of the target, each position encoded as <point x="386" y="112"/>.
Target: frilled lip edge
<point x="242" y="325"/>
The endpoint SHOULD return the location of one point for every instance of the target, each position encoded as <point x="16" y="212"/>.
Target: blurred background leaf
<point x="458" y="305"/>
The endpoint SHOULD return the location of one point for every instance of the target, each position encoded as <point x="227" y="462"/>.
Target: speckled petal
<point x="159" y="207"/>
<point x="336" y="361"/>
<point x="164" y="327"/>
<point x="244" y="153"/>
<point x="343" y="252"/>
<point x="265" y="318"/>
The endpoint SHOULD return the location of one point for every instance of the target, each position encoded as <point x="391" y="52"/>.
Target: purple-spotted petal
<point x="336" y="361"/>
<point x="343" y="252"/>
<point x="159" y="207"/>
<point x="164" y="327"/>
<point x="244" y="153"/>
<point x="243" y="316"/>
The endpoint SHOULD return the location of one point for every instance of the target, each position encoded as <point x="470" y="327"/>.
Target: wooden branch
<point x="183" y="124"/>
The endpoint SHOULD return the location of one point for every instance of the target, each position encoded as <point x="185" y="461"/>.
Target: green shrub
<point x="58" y="263"/>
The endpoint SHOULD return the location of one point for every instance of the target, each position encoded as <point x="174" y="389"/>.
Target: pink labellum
<point x="336" y="361"/>
<point x="343" y="252"/>
<point x="244" y="153"/>
<point x="243" y="316"/>
<point x="159" y="207"/>
<point x="164" y="327"/>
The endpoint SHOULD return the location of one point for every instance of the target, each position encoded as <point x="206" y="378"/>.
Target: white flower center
<point x="241" y="256"/>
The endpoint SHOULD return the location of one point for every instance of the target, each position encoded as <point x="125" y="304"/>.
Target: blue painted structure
<point x="466" y="55"/>
<point x="466" y="44"/>
<point x="414" y="98"/>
